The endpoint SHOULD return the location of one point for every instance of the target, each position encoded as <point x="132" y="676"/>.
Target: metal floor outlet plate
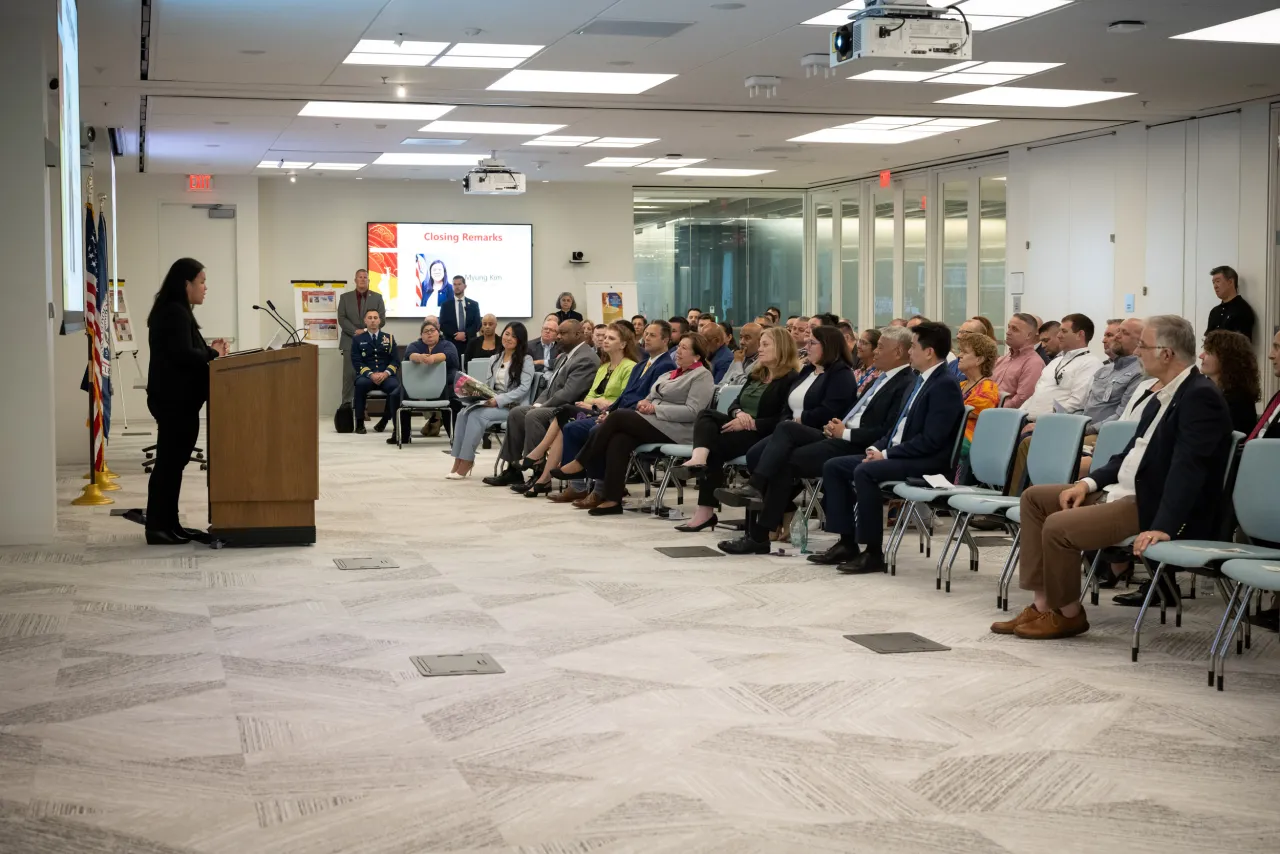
<point x="467" y="664"/>
<point x="365" y="563"/>
<point x="689" y="551"/>
<point x="890" y="643"/>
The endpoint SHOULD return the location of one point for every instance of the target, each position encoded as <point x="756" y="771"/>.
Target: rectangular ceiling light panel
<point x="699" y="172"/>
<point x="616" y="162"/>
<point x="1015" y="96"/>
<point x="1011" y="8"/>
<point x="451" y="61"/>
<point x="495" y="128"/>
<point x="339" y="167"/>
<point x="670" y="162"/>
<point x="561" y="141"/>
<point x="895" y="76"/>
<point x="521" y="51"/>
<point x="388" y="59"/>
<point x="388" y="46"/>
<point x="1255" y="29"/>
<point x="363" y="110"/>
<point x="287" y="164"/>
<point x="964" y="78"/>
<point x="405" y="158"/>
<point x="585" y="82"/>
<point x="619" y="142"/>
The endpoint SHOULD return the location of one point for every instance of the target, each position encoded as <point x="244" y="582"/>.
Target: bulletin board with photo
<point x="123" y="334"/>
<point x="315" y="310"/>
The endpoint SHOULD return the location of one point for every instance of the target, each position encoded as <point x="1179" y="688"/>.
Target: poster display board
<point x="123" y="338"/>
<point x="610" y="301"/>
<point x="315" y="310"/>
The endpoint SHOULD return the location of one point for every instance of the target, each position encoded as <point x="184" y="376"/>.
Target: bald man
<point x="745" y="358"/>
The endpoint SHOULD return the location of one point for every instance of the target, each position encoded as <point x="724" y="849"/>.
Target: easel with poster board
<point x="610" y="301"/>
<point x="315" y="310"/>
<point x="123" y="341"/>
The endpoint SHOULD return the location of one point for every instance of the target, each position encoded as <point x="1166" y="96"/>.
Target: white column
<point x="27" y="471"/>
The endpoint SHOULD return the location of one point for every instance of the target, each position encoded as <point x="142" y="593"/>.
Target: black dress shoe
<point x="1137" y="597"/>
<point x="166" y="538"/>
<point x="508" y="478"/>
<point x="743" y="546"/>
<point x="739" y="497"/>
<point x="615" y="510"/>
<point x="380" y="426"/>
<point x="197" y="535"/>
<point x="537" y="490"/>
<point x="868" y="563"/>
<point x="137" y="515"/>
<point x="360" y="427"/>
<point x="836" y="555"/>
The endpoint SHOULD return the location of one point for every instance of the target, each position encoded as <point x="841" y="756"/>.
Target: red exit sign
<point x="200" y="183"/>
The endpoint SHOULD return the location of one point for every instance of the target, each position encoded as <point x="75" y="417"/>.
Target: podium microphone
<point x="293" y="333"/>
<point x="283" y="325"/>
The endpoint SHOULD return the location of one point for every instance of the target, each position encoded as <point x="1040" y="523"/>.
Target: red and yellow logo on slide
<point x="384" y="258"/>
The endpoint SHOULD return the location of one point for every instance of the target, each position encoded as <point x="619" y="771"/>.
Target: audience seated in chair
<point x="721" y="356"/>
<point x="1166" y="484"/>
<point x="373" y="355"/>
<point x="796" y="450"/>
<point x="1018" y="371"/>
<point x="761" y="405"/>
<point x="510" y="377"/>
<point x="744" y="358"/>
<point x="1227" y="359"/>
<point x="430" y="349"/>
<point x="666" y="416"/>
<point x="863" y="351"/>
<point x="920" y="442"/>
<point x="976" y="357"/>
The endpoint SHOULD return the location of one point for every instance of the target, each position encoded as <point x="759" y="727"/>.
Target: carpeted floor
<point x="188" y="700"/>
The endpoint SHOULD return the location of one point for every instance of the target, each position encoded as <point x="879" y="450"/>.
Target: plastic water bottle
<point x="800" y="533"/>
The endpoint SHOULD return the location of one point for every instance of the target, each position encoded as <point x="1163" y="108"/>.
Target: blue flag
<point x="104" y="321"/>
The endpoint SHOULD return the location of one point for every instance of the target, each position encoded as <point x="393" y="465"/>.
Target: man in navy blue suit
<point x="459" y="316"/>
<point x="919" y="443"/>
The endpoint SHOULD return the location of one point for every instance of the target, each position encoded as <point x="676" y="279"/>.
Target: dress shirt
<point x="1017" y="372"/>
<point x="739" y="371"/>
<point x="1126" y="483"/>
<point x="795" y="400"/>
<point x="1113" y="386"/>
<point x="1234" y="315"/>
<point x="547" y="351"/>
<point x="1066" y="381"/>
<point x="896" y="439"/>
<point x="853" y="420"/>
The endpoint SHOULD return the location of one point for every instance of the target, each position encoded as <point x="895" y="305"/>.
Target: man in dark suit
<point x="793" y="452"/>
<point x="352" y="306"/>
<point x="1166" y="484"/>
<point x="459" y="316"/>
<point x="920" y="442"/>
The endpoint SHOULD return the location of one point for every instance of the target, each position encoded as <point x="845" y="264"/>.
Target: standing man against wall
<point x="459" y="316"/>
<point x="352" y="306"/>
<point x="1233" y="313"/>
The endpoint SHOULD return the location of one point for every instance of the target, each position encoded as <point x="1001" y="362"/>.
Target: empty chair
<point x="423" y="389"/>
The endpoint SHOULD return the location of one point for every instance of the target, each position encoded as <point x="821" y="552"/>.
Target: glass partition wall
<point x="931" y="242"/>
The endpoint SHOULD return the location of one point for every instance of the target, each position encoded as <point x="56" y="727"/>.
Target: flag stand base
<point x="107" y="473"/>
<point x="92" y="497"/>
<point x="105" y="483"/>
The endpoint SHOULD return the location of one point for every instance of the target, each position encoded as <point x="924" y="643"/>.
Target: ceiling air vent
<point x="640" y="29"/>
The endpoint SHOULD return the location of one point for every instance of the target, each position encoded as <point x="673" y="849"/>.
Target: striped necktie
<point x="906" y="410"/>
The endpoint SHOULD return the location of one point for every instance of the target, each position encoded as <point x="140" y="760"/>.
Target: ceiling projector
<point x="492" y="178"/>
<point x="901" y="29"/>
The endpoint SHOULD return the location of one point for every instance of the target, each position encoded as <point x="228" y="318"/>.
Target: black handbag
<point x="344" y="420"/>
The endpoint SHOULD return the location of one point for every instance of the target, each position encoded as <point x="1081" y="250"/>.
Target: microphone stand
<point x="293" y="333"/>
<point x="282" y="324"/>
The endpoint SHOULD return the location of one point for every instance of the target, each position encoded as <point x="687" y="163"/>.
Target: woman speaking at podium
<point x="177" y="387"/>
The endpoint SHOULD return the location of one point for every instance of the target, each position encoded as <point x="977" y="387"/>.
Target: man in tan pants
<point x="1166" y="484"/>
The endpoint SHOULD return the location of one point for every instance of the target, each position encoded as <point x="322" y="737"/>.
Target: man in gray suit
<point x="571" y="377"/>
<point x="351" y="308"/>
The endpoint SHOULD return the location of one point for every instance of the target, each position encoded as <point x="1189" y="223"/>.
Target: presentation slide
<point x="412" y="264"/>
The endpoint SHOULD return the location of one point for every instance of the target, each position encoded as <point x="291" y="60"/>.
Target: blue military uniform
<point x="371" y="355"/>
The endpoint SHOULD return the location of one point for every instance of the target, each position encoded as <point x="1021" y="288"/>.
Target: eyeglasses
<point x="1142" y="346"/>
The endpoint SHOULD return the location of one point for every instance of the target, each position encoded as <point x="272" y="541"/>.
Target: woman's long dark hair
<point x="517" y="355"/>
<point x="1239" y="367"/>
<point x="174" y="287"/>
<point x="834" y="347"/>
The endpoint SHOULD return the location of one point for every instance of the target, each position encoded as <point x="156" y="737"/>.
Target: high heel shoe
<point x="561" y="474"/>
<point x="538" y="489"/>
<point x="530" y="463"/>
<point x="688" y="472"/>
<point x="453" y="475"/>
<point x="693" y="529"/>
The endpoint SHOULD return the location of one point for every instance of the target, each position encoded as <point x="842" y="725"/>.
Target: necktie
<point x="645" y="369"/>
<point x="907" y="409"/>
<point x="1266" y="418"/>
<point x="865" y="400"/>
<point x="462" y="323"/>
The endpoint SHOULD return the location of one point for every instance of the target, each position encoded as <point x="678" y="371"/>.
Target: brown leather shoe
<point x="567" y="495"/>
<point x="1053" y="625"/>
<point x="589" y="503"/>
<point x="1028" y="614"/>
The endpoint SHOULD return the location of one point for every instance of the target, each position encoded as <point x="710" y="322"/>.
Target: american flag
<point x="96" y="331"/>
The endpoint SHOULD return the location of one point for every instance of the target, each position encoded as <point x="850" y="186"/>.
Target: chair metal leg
<point x="963" y="519"/>
<point x="928" y="540"/>
<point x="1152" y="591"/>
<point x="926" y="531"/>
<point x="1241" y="611"/>
<point x="895" y="541"/>
<point x="946" y="547"/>
<point x="973" y="549"/>
<point x="1006" y="574"/>
<point x="1218" y="638"/>
<point x="1091" y="580"/>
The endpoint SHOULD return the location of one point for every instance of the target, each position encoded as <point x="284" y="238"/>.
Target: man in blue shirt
<point x="373" y="355"/>
<point x="430" y="349"/>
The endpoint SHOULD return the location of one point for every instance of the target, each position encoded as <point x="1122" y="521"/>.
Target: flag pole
<point x="91" y="495"/>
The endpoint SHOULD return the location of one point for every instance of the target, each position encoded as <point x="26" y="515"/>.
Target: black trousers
<point x="612" y="442"/>
<point x="722" y="447"/>
<point x="177" y="428"/>
<point x="793" y="451"/>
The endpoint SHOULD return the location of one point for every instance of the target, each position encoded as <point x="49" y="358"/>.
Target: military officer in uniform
<point x="373" y="355"/>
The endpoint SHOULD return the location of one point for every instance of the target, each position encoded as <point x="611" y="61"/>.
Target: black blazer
<point x="1244" y="412"/>
<point x="449" y="320"/>
<point x="1180" y="478"/>
<point x="830" y="396"/>
<point x="929" y="435"/>
<point x="883" y="410"/>
<point x="773" y="404"/>
<point x="178" y="373"/>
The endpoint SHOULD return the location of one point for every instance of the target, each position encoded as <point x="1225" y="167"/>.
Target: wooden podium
<point x="264" y="437"/>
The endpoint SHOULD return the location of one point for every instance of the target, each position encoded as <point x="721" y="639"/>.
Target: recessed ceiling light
<point x="415" y="140"/>
<point x="869" y="136"/>
<point x="523" y="51"/>
<point x="959" y="66"/>
<point x="895" y="76"/>
<point x="387" y="59"/>
<point x="700" y="172"/>
<point x="670" y="162"/>
<point x="364" y="110"/>
<point x="339" y="167"/>
<point x="887" y="122"/>
<point x="1255" y="29"/>
<point x="401" y="91"/>
<point x="1012" y="8"/>
<point x="502" y="128"/>
<point x="477" y="62"/>
<point x="389" y="46"/>
<point x="1019" y="68"/>
<point x="287" y="164"/>
<point x="989" y="22"/>
<point x="1014" y="96"/>
<point x="405" y="158"/>
<point x="586" y="82"/>
<point x="614" y="162"/>
<point x="561" y="141"/>
<point x="619" y="142"/>
<point x="964" y="78"/>
<point x="957" y="123"/>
